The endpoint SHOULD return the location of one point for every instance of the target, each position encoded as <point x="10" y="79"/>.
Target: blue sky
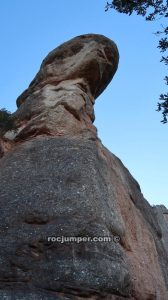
<point x="127" y="122"/>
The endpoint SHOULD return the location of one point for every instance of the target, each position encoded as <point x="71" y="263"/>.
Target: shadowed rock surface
<point x="57" y="179"/>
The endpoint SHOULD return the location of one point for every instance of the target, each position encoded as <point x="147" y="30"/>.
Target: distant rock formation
<point x="58" y="180"/>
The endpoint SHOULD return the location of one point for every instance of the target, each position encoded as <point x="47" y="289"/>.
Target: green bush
<point x="7" y="121"/>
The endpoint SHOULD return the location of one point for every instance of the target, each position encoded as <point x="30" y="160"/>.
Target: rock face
<point x="58" y="180"/>
<point x="59" y="101"/>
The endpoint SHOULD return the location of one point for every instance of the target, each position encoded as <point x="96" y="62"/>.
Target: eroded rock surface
<point x="57" y="179"/>
<point x="59" y="101"/>
<point x="5" y="146"/>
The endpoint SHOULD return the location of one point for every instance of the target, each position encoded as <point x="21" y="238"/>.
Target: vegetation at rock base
<point x="7" y="121"/>
<point x="152" y="10"/>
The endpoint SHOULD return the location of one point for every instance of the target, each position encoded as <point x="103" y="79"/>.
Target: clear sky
<point x="127" y="122"/>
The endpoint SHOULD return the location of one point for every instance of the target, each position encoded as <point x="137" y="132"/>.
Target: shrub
<point x="7" y="121"/>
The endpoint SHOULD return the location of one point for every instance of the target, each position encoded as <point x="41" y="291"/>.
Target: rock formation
<point x="57" y="179"/>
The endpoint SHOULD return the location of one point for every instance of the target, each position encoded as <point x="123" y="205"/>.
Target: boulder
<point x="60" y="99"/>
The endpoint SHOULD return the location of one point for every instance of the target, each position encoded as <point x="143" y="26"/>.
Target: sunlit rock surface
<point x="57" y="179"/>
<point x="59" y="100"/>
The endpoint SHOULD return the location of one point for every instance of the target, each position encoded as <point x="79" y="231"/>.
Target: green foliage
<point x="148" y="8"/>
<point x="7" y="121"/>
<point x="151" y="10"/>
<point x="163" y="106"/>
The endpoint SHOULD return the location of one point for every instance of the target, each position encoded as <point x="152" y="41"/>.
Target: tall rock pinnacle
<point x="74" y="223"/>
<point x="60" y="99"/>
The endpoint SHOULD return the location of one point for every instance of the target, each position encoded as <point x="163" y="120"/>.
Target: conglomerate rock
<point x="59" y="100"/>
<point x="58" y="180"/>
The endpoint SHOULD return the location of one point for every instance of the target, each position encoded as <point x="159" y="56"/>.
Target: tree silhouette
<point x="151" y="10"/>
